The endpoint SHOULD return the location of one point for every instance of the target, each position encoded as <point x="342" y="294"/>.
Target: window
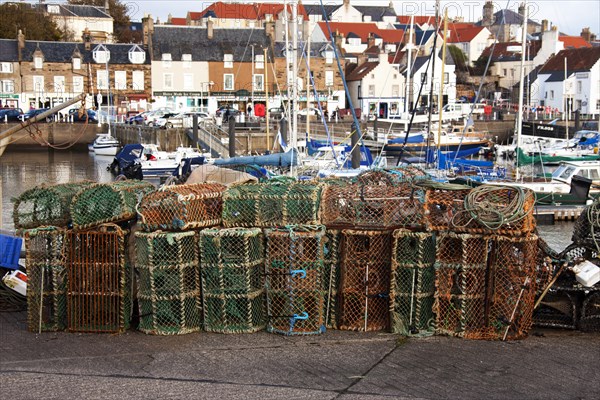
<point x="504" y="72"/>
<point x="259" y="61"/>
<point x="598" y="105"/>
<point x="100" y="54"/>
<point x="354" y="41"/>
<point x="512" y="72"/>
<point x="228" y="81"/>
<point x="329" y="57"/>
<point x="579" y="87"/>
<point x="77" y="84"/>
<point x="228" y="60"/>
<point x="168" y="81"/>
<point x="259" y="82"/>
<point x="395" y="90"/>
<point x="552" y="95"/>
<point x="594" y="174"/>
<point x="59" y="84"/>
<point x="423" y="78"/>
<point x="188" y="81"/>
<point x="166" y="60"/>
<point x="76" y="63"/>
<point x="38" y="62"/>
<point x="328" y="78"/>
<point x="137" y="80"/>
<point x="102" y="79"/>
<point x="546" y="95"/>
<point x="371" y="91"/>
<point x="446" y="77"/>
<point x="120" y="80"/>
<point x="6" y="67"/>
<point x="8" y="86"/>
<point x="578" y="105"/>
<point x="187" y="61"/>
<point x="38" y="84"/>
<point x="137" y="55"/>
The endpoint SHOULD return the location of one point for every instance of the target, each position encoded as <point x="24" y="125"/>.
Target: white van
<point x="463" y="108"/>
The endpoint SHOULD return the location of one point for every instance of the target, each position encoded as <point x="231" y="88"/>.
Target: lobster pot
<point x="294" y="280"/>
<point x="365" y="280"/>
<point x="408" y="173"/>
<point x="272" y="204"/>
<point x="412" y="285"/>
<point x="98" y="280"/>
<point x="590" y="313"/>
<point x="587" y="227"/>
<point x="375" y="201"/>
<point x="168" y="282"/>
<point x="461" y="273"/>
<point x="512" y="286"/>
<point x="502" y="210"/>
<point x="182" y="207"/>
<point x="558" y="309"/>
<point x="445" y="207"/>
<point x="107" y="202"/>
<point x="46" y="279"/>
<point x="46" y="205"/>
<point x="233" y="294"/>
<point x="331" y="275"/>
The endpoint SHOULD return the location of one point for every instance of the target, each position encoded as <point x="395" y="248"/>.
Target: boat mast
<point x="521" y="84"/>
<point x="441" y="96"/>
<point x="409" y="48"/>
<point x="294" y="132"/>
<point x="566" y="96"/>
<point x="433" y="55"/>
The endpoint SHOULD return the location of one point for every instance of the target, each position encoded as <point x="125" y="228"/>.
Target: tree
<point x="118" y="11"/>
<point x="35" y="24"/>
<point x="459" y="57"/>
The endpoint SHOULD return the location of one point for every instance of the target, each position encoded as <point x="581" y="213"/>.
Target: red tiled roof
<point x="361" y="71"/>
<point x="501" y="50"/>
<point x="417" y="19"/>
<point x="581" y="59"/>
<point x="464" y="35"/>
<point x="363" y="30"/>
<point x="574" y="42"/>
<point x="459" y="25"/>
<point x="178" y="21"/>
<point x="245" y="11"/>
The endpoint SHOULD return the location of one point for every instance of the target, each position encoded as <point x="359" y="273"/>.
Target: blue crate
<point x="10" y="251"/>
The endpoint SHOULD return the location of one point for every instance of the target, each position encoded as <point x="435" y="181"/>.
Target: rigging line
<point x="341" y="70"/>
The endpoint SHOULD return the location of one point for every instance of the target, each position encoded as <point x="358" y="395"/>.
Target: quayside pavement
<point x="550" y="364"/>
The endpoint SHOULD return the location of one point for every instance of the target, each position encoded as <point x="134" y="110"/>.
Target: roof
<point x="315" y="9"/>
<point x="361" y="71"/>
<point x="317" y="49"/>
<point x="363" y="30"/>
<point x="420" y="61"/>
<point x="178" y="40"/>
<point x="79" y="11"/>
<point x="376" y="13"/>
<point x="574" y="42"/>
<point x="178" y="21"/>
<point x="465" y="34"/>
<point x="504" y="51"/>
<point x="578" y="60"/>
<point x="557" y="76"/>
<point x="509" y="17"/>
<point x="253" y="11"/>
<point x="8" y="50"/>
<point x="417" y="19"/>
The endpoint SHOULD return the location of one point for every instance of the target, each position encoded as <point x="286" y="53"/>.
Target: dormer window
<point x="137" y="55"/>
<point x="187" y="60"/>
<point x="100" y="54"/>
<point x="53" y="9"/>
<point x="76" y="63"/>
<point x="38" y="62"/>
<point x="259" y="61"/>
<point x="166" y="60"/>
<point x="228" y="60"/>
<point x="354" y="41"/>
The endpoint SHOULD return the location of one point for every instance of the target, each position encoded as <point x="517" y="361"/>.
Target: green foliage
<point x="119" y="12"/>
<point x="459" y="57"/>
<point x="34" y="24"/>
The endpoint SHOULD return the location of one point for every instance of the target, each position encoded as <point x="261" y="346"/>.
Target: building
<point x="506" y="25"/>
<point x="471" y="39"/>
<point x="75" y="19"/>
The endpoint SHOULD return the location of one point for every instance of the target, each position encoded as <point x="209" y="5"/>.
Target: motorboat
<point x="105" y="145"/>
<point x="583" y="143"/>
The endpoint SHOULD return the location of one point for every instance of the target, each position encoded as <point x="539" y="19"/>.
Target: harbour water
<point x="24" y="169"/>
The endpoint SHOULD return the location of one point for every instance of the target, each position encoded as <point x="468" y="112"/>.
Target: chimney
<point x="488" y="14"/>
<point x="544" y="25"/>
<point x="270" y="29"/>
<point x="107" y="6"/>
<point x="147" y="30"/>
<point x="339" y="40"/>
<point x="522" y="10"/>
<point x="586" y="34"/>
<point x="20" y="44"/>
<point x="87" y="39"/>
<point x="347" y="3"/>
<point x="209" y="29"/>
<point x="370" y="41"/>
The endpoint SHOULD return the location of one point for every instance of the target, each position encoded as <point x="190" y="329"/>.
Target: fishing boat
<point x="105" y="145"/>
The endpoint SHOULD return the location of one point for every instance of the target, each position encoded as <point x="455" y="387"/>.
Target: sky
<point x="569" y="15"/>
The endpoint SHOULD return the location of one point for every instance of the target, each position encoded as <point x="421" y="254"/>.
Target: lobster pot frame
<point x="365" y="280"/>
<point x="590" y="313"/>
<point x="461" y="273"/>
<point x="182" y="207"/>
<point x="331" y="276"/>
<point x="412" y="285"/>
<point x="46" y="279"/>
<point x="98" y="276"/>
<point x="107" y="202"/>
<point x="232" y="265"/>
<point x="444" y="207"/>
<point x="373" y="206"/>
<point x="168" y="282"/>
<point x="46" y="205"/>
<point x="587" y="226"/>
<point x="502" y="210"/>
<point x="272" y="204"/>
<point x="558" y="309"/>
<point x="294" y="280"/>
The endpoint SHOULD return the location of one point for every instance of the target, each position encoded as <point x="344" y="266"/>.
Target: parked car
<point x="152" y="116"/>
<point x="34" y="112"/>
<point x="10" y="114"/>
<point x="81" y="117"/>
<point x="221" y="110"/>
<point x="182" y="120"/>
<point x="309" y="111"/>
<point x="275" y="112"/>
<point x="137" y="119"/>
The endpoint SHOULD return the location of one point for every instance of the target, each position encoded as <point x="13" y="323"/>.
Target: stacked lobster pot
<point x="168" y="256"/>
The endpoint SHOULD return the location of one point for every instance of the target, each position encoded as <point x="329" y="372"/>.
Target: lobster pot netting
<point x="272" y="204"/>
<point x="409" y="173"/>
<point x="46" y="205"/>
<point x="232" y="265"/>
<point x="98" y="280"/>
<point x="502" y="210"/>
<point x="558" y="309"/>
<point x="444" y="206"/>
<point x="412" y="285"/>
<point x="294" y="280"/>
<point x="182" y="207"/>
<point x="331" y="275"/>
<point x="461" y="272"/>
<point x="168" y="282"/>
<point x="587" y="226"/>
<point x="590" y="313"/>
<point x="107" y="202"/>
<point x="365" y="280"/>
<point x="46" y="279"/>
<point x="373" y="205"/>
